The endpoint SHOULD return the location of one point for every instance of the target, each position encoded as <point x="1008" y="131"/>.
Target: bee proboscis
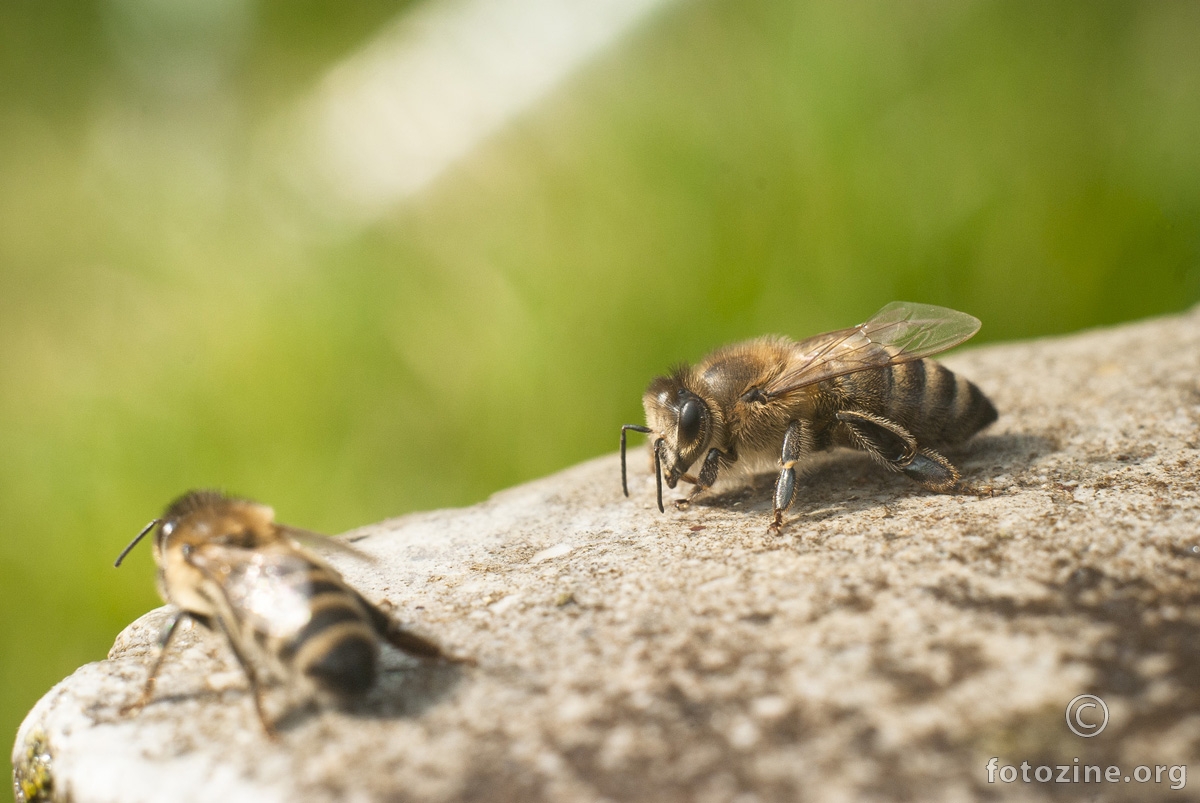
<point x="868" y="387"/>
<point x="285" y="613"/>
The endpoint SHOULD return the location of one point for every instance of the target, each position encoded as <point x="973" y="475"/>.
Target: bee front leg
<point x="164" y="641"/>
<point x="707" y="478"/>
<point x="797" y="441"/>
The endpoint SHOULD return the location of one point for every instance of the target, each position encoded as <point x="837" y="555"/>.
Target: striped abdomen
<point x="338" y="648"/>
<point x="936" y="405"/>
<point x="312" y="623"/>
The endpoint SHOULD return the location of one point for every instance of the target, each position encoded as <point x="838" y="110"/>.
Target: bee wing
<point x="900" y="332"/>
<point x="309" y="541"/>
<point x="267" y="588"/>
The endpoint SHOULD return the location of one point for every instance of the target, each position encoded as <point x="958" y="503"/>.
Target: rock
<point x="885" y="647"/>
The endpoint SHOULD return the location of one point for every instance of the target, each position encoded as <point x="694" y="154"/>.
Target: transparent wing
<point x="268" y="588"/>
<point x="310" y="541"/>
<point x="900" y="332"/>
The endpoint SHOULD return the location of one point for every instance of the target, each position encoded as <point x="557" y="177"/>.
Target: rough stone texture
<point x="884" y="648"/>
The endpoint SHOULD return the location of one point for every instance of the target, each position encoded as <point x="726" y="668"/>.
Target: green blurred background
<point x="173" y="315"/>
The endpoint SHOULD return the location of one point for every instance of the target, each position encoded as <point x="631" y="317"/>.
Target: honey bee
<point x="867" y="387"/>
<point x="286" y="614"/>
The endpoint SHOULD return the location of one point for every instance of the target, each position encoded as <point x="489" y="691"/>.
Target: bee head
<point x="200" y="517"/>
<point x="682" y="424"/>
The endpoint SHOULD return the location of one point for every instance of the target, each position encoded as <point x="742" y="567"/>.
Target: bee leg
<point x="252" y="679"/>
<point x="892" y="446"/>
<point x="421" y="647"/>
<point x="797" y="441"/>
<point x="888" y="443"/>
<point x="411" y="643"/>
<point x="933" y="471"/>
<point x="405" y="640"/>
<point x="707" y="478"/>
<point x="164" y="641"/>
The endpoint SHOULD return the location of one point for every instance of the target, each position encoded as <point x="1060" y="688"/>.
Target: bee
<point x="867" y="387"/>
<point x="285" y="613"/>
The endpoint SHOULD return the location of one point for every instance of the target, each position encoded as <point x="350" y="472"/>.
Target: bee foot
<point x="464" y="660"/>
<point x="683" y="504"/>
<point x="131" y="708"/>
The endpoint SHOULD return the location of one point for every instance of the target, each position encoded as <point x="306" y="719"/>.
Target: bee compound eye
<point x="690" y="417"/>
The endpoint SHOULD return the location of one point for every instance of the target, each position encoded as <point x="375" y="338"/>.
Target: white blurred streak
<point x="394" y="116"/>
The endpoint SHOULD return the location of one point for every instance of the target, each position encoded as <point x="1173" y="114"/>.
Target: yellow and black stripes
<point x="936" y="404"/>
<point x="286" y="615"/>
<point x="338" y="647"/>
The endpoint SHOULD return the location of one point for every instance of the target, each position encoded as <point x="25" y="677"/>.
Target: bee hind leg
<point x="893" y="447"/>
<point x="412" y="644"/>
<point x="932" y="471"/>
<point x="405" y="640"/>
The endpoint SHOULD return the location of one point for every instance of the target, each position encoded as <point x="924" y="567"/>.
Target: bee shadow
<point x="986" y="456"/>
<point x="849" y="481"/>
<point x="408" y="690"/>
<point x="400" y="692"/>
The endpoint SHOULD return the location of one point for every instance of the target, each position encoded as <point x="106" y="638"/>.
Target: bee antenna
<point x="658" y="444"/>
<point x="635" y="428"/>
<point x="134" y="542"/>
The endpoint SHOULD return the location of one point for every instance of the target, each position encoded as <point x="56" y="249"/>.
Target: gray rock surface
<point x="884" y="647"/>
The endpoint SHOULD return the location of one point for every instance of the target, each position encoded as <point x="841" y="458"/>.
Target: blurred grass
<point x="170" y="318"/>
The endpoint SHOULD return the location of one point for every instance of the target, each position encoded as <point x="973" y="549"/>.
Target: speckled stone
<point x="884" y="647"/>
